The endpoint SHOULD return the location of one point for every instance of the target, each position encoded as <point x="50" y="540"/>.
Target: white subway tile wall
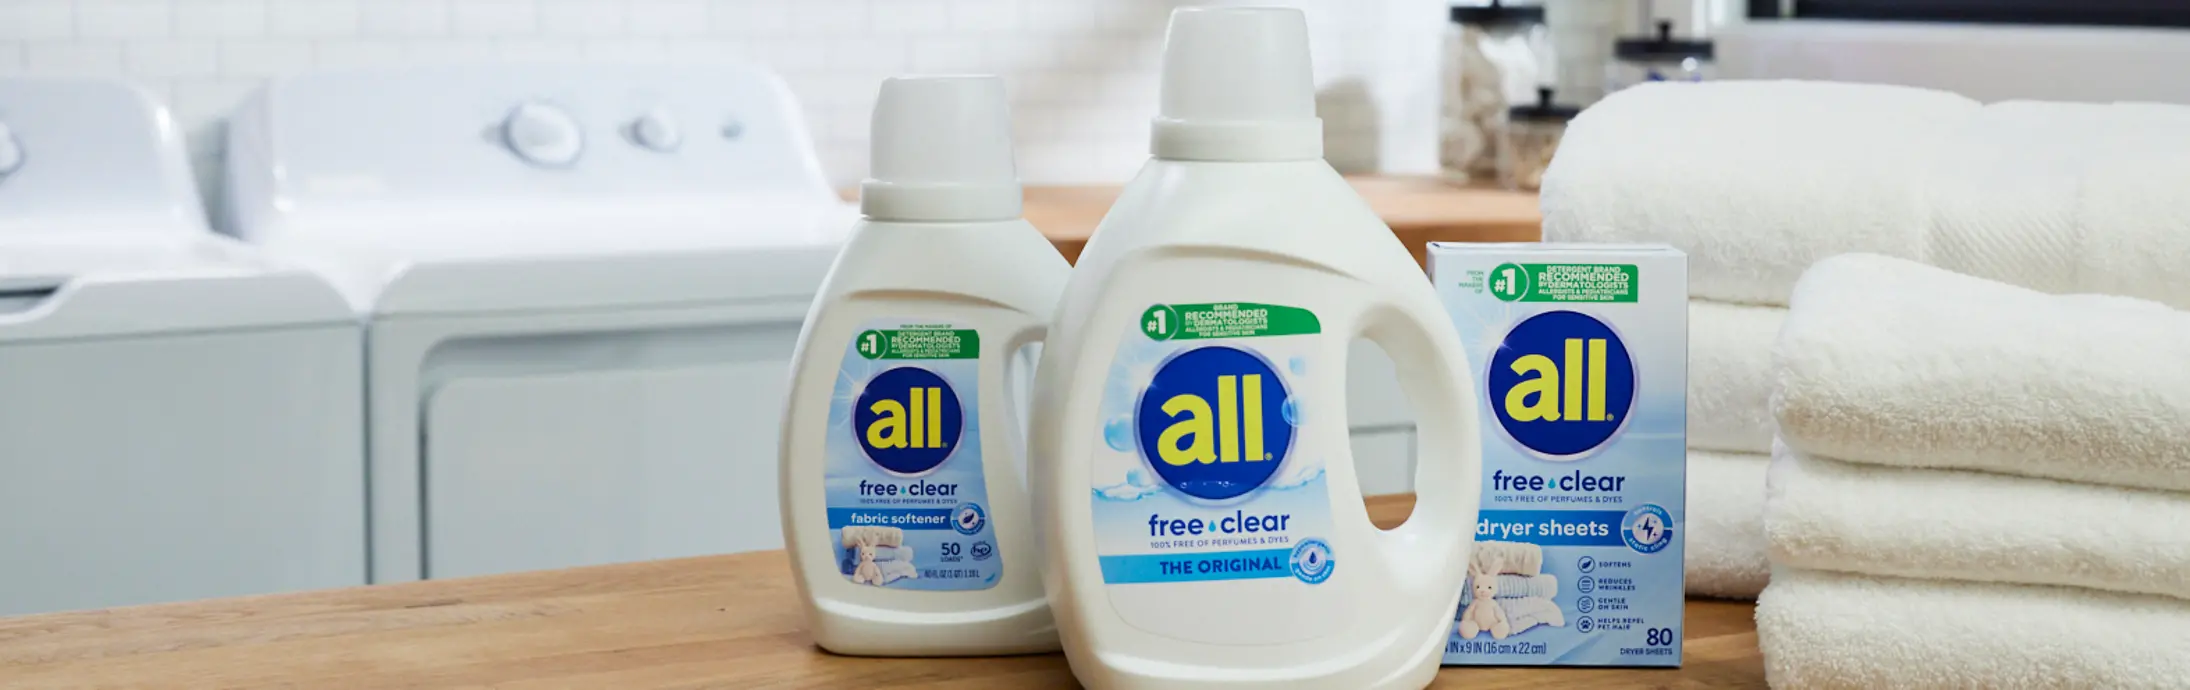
<point x="1082" y="73"/>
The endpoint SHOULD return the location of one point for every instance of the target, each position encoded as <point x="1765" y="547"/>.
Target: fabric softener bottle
<point x="903" y="508"/>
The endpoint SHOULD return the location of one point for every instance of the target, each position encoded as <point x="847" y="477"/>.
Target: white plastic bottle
<point x="1201" y="516"/>
<point x="903" y="508"/>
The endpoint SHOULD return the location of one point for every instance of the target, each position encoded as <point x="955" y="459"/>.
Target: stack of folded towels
<point x="1979" y="485"/>
<point x="1757" y="181"/>
<point x="1521" y="588"/>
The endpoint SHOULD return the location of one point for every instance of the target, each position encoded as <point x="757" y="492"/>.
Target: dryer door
<point x="554" y="469"/>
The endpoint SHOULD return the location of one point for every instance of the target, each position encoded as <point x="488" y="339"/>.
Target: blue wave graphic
<point x="1127" y="492"/>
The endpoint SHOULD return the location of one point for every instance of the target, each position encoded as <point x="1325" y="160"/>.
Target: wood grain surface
<point x="713" y="622"/>
<point x="1420" y="210"/>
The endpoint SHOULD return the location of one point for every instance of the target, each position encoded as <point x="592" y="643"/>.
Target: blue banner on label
<point x="1198" y="567"/>
<point x="1552" y="527"/>
<point x="923" y="518"/>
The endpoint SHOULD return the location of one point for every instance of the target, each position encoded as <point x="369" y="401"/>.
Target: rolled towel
<point x="1823" y="514"/>
<point x="1771" y="176"/>
<point x="1887" y="361"/>
<point x="1725" y="554"/>
<point x="1823" y="630"/>
<point x="1515" y="587"/>
<point x="1730" y="375"/>
<point x="1509" y="557"/>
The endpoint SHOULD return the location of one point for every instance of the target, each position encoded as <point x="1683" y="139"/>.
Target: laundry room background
<point x="1082" y="73"/>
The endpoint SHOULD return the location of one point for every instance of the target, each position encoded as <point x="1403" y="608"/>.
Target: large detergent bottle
<point x="1201" y="517"/>
<point x="903" y="507"/>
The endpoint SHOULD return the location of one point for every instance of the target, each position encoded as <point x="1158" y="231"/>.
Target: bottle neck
<point x="1237" y="141"/>
<point x="939" y="203"/>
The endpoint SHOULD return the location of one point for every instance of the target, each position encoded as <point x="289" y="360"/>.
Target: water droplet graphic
<point x="1299" y="365"/>
<point x="1292" y="411"/>
<point x="1118" y="433"/>
<point x="1136" y="478"/>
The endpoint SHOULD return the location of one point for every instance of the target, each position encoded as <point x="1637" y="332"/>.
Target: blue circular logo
<point x="1212" y="422"/>
<point x="1647" y="529"/>
<point x="1312" y="561"/>
<point x="968" y="518"/>
<point x="907" y="420"/>
<point x="982" y="550"/>
<point x="1561" y="384"/>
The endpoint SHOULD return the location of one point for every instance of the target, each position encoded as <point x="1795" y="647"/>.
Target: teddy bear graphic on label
<point x="1484" y="613"/>
<point x="868" y="572"/>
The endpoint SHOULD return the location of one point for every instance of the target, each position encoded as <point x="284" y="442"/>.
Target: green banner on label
<point x="1563" y="282"/>
<point x="1226" y="320"/>
<point x="920" y="343"/>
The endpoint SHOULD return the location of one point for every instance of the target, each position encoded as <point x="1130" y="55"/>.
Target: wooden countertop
<point x="1420" y="210"/>
<point x="712" y="622"/>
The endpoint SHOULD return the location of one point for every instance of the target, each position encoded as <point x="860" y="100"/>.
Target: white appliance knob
<point x="657" y="130"/>
<point x="11" y="151"/>
<point x="543" y="134"/>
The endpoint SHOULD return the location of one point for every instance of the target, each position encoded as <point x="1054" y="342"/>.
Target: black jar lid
<point x="1543" y="110"/>
<point x="1497" y="12"/>
<point x="1662" y="47"/>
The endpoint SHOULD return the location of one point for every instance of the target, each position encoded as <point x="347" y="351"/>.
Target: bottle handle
<point x="1017" y="375"/>
<point x="1434" y="544"/>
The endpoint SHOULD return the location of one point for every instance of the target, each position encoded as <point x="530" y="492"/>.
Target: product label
<point x="907" y="497"/>
<point x="1202" y="475"/>
<point x="1578" y="554"/>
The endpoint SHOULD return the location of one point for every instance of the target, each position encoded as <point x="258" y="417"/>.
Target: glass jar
<point x="1662" y="57"/>
<point x="1496" y="55"/>
<point x="1532" y="136"/>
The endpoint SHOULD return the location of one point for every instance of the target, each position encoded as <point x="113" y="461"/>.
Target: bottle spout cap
<point x="941" y="151"/>
<point x="1237" y="86"/>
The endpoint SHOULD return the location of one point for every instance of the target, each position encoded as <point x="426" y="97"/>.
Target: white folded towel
<point x="1823" y="514"/>
<point x="1755" y="180"/>
<point x="1822" y="630"/>
<point x="1773" y="176"/>
<point x="1887" y="361"/>
<point x="2004" y="196"/>
<point x="2135" y="218"/>
<point x="893" y="571"/>
<point x="1730" y="375"/>
<point x="1725" y="551"/>
<point x="1529" y="612"/>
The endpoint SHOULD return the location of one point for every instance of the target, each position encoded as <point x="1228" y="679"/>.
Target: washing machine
<point x="581" y="286"/>
<point x="180" y="417"/>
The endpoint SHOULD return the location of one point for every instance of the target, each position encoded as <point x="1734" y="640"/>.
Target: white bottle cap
<point x="1237" y="86"/>
<point x="941" y="151"/>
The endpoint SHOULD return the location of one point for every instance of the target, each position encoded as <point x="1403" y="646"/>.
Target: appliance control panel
<point x="80" y="152"/>
<point x="545" y="134"/>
